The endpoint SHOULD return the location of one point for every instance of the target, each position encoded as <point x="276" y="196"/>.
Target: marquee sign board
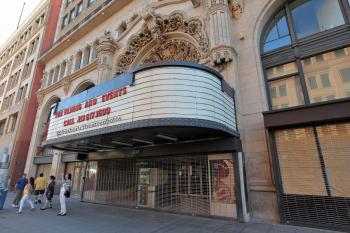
<point x="158" y="93"/>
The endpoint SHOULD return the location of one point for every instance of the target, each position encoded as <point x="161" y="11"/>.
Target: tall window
<point x="71" y="15"/>
<point x="79" y="8"/>
<point x="308" y="71"/>
<point x="68" y="2"/>
<point x="12" y="124"/>
<point x="90" y="2"/>
<point x="65" y="21"/>
<point x="2" y="126"/>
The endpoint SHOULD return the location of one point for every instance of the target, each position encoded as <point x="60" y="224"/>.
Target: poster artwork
<point x="223" y="181"/>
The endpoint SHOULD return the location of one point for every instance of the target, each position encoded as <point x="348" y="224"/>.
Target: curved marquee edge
<point x="158" y="122"/>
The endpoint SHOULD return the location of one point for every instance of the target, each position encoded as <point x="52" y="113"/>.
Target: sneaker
<point x="18" y="213"/>
<point x="42" y="208"/>
<point x="14" y="206"/>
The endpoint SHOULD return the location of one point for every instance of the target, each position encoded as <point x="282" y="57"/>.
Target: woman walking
<point x="26" y="196"/>
<point x="49" y="193"/>
<point x="65" y="193"/>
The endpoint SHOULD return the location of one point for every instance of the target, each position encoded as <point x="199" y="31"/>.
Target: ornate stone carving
<point x="196" y="3"/>
<point x="43" y="80"/>
<point x="106" y="48"/>
<point x="122" y="27"/>
<point x="236" y="7"/>
<point x="221" y="45"/>
<point x="66" y="86"/>
<point x="40" y="98"/>
<point x="178" y="50"/>
<point x="106" y="44"/>
<point x="156" y="28"/>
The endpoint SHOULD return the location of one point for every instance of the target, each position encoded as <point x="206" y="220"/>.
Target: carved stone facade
<point x="40" y="98"/>
<point x="236" y="7"/>
<point x="200" y="31"/>
<point x="158" y="29"/>
<point x="66" y="86"/>
<point x="178" y="50"/>
<point x="106" y="47"/>
<point x="222" y="50"/>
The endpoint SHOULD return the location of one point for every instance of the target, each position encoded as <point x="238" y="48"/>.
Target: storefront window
<point x="299" y="162"/>
<point x="328" y="78"/>
<point x="335" y="146"/>
<point x="286" y="93"/>
<point x="194" y="185"/>
<point x="313" y="16"/>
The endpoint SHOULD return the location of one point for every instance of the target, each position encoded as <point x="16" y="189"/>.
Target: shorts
<point x="41" y="192"/>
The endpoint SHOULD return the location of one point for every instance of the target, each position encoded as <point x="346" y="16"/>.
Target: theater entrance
<point x="198" y="185"/>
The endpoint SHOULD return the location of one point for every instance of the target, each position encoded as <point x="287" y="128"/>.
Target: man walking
<point x="40" y="184"/>
<point x="20" y="184"/>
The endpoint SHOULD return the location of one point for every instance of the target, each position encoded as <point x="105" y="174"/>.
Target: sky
<point x="10" y="11"/>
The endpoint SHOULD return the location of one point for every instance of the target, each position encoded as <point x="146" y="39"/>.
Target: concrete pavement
<point x="85" y="217"/>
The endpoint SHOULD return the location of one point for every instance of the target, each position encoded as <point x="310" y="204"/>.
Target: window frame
<point x="90" y="2"/>
<point x="77" y="13"/>
<point x="301" y="49"/>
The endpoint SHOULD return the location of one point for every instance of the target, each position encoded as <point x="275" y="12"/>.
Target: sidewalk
<point x="85" y="217"/>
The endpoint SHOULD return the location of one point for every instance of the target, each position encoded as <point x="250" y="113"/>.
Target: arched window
<point x="306" y="53"/>
<point x="277" y="33"/>
<point x="78" y="58"/>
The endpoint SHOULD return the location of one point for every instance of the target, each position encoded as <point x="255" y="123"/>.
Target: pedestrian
<point x="4" y="187"/>
<point x="26" y="196"/>
<point x="49" y="193"/>
<point x="65" y="193"/>
<point x="39" y="184"/>
<point x="20" y="184"/>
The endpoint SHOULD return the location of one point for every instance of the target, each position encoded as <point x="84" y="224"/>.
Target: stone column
<point x="57" y="168"/>
<point x="43" y="80"/>
<point x="69" y="65"/>
<point x="221" y="44"/>
<point x="105" y="50"/>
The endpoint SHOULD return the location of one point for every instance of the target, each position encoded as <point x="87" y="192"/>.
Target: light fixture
<point x="102" y="145"/>
<point x="122" y="143"/>
<point x="167" y="137"/>
<point x="142" y="141"/>
<point x="76" y="149"/>
<point x="88" y="147"/>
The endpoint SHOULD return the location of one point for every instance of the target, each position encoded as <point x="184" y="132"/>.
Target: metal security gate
<point x="198" y="185"/>
<point x="314" y="168"/>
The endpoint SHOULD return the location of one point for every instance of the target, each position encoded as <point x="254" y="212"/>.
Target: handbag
<point x="67" y="193"/>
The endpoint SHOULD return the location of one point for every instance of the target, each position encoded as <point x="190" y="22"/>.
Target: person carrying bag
<point x="65" y="193"/>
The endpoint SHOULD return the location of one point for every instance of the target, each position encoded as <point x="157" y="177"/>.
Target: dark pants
<point x="18" y="197"/>
<point x="3" y="195"/>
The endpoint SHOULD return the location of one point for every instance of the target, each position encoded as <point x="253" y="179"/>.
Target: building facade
<point x="18" y="58"/>
<point x="236" y="109"/>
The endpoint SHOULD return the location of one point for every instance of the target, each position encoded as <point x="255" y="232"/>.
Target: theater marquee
<point x="150" y="95"/>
